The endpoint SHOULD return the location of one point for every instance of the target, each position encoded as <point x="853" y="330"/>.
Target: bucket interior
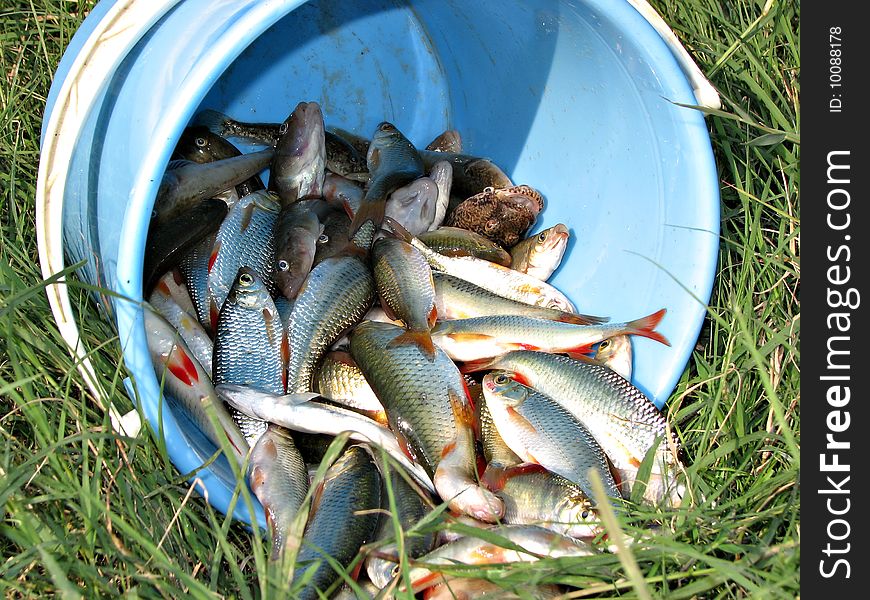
<point x="573" y="98"/>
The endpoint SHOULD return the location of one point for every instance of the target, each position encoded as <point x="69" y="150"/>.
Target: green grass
<point x="88" y="513"/>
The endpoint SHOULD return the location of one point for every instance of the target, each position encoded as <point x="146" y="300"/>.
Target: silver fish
<point x="187" y="325"/>
<point x="428" y="408"/>
<point x="335" y="296"/>
<point x="616" y="353"/>
<point x="279" y="479"/>
<point x="457" y="298"/>
<point x="393" y="162"/>
<point x="250" y="346"/>
<point x="245" y="238"/>
<point x="624" y="422"/>
<point x="498" y="279"/>
<point x="541" y="254"/>
<point x="540" y="431"/>
<point x="484" y="337"/>
<point x="299" y="412"/>
<point x="185" y="380"/>
<point x="194" y="267"/>
<point x="190" y="184"/>
<point x="297" y="231"/>
<point x="343" y="518"/>
<point x="535" y="542"/>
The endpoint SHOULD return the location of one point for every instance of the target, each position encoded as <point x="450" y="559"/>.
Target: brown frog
<point x="503" y="215"/>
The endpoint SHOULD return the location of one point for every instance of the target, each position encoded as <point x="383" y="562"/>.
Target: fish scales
<point x="335" y="296"/>
<point x="278" y="477"/>
<point x="482" y="337"/>
<point x="457" y="298"/>
<point x="618" y="414"/>
<point x="250" y="345"/>
<point x="533" y="495"/>
<point x="340" y="379"/>
<point x="194" y="268"/>
<point x="413" y="389"/>
<point x="538" y="429"/>
<point x="245" y="238"/>
<point x="495" y="451"/>
<point x="343" y="518"/>
<point x="428" y="409"/>
<point x="404" y="281"/>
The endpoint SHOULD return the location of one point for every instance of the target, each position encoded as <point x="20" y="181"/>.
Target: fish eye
<point x="386" y="127"/>
<point x="323" y="238"/>
<point x="394" y="571"/>
<point x="603" y="345"/>
<point x="500" y="379"/>
<point x="283" y="129"/>
<point x="584" y="514"/>
<point x="246" y="279"/>
<point x="283" y="265"/>
<point x="488" y="190"/>
<point x="542" y="236"/>
<point x="491" y="225"/>
<point x="200" y="142"/>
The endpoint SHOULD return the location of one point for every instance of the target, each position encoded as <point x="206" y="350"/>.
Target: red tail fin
<point x="645" y="327"/>
<point x="421" y="339"/>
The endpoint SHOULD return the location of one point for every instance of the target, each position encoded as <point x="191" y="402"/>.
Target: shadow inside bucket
<point x="426" y="66"/>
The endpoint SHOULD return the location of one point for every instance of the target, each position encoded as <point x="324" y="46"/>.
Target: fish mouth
<point x="307" y="120"/>
<point x="556" y="239"/>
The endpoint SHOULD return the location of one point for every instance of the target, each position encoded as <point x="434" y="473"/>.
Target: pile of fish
<point x="392" y="293"/>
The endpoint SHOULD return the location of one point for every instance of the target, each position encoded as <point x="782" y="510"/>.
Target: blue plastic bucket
<point x="576" y="98"/>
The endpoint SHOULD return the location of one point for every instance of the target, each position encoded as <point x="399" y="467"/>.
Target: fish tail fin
<point x="397" y="229"/>
<point x="463" y="411"/>
<point x="497" y="475"/>
<point x="421" y="339"/>
<point x="213" y="314"/>
<point x="214" y="121"/>
<point x="473" y="366"/>
<point x="582" y="319"/>
<point x="645" y="327"/>
<point x="493" y="477"/>
<point x="370" y="210"/>
<point x="582" y="357"/>
<point x="353" y="249"/>
<point x="348" y="209"/>
<point x="575" y="351"/>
